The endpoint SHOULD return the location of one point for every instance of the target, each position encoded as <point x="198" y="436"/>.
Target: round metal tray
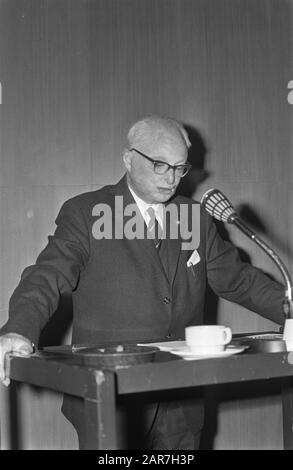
<point x="265" y="342"/>
<point x="116" y="356"/>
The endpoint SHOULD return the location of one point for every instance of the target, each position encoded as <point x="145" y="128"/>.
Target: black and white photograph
<point x="146" y="227"/>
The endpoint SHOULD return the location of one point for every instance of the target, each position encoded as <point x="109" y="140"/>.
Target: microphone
<point x="219" y="207"/>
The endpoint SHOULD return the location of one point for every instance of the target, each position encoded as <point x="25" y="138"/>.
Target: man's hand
<point x="12" y="342"/>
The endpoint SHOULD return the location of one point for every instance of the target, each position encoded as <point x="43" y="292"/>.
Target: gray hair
<point x="152" y="128"/>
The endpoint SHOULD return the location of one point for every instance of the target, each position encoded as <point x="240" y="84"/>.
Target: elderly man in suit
<point x="136" y="288"/>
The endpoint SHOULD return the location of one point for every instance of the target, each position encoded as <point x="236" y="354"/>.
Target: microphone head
<point x="217" y="205"/>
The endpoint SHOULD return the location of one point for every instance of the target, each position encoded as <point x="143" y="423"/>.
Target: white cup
<point x="288" y="334"/>
<point x="206" y="339"/>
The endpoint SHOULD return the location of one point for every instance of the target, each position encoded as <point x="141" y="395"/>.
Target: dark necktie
<point x="154" y="228"/>
<point x="155" y="232"/>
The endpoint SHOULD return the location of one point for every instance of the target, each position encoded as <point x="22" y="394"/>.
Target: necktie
<point x="154" y="228"/>
<point x="155" y="233"/>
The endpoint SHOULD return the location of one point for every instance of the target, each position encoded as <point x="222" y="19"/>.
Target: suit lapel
<point x="173" y="244"/>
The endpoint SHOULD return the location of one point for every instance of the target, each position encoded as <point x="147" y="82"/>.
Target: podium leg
<point x="100" y="412"/>
<point x="287" y="406"/>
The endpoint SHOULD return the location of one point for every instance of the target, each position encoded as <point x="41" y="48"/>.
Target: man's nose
<point x="170" y="176"/>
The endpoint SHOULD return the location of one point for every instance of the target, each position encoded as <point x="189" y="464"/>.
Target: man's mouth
<point x="168" y="190"/>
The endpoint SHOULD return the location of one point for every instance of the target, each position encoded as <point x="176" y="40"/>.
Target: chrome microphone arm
<point x="218" y="206"/>
<point x="234" y="219"/>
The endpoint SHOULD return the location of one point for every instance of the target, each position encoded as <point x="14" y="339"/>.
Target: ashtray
<point x="113" y="356"/>
<point x="266" y="342"/>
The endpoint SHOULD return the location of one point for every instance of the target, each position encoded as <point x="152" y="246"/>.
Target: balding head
<point x="155" y="139"/>
<point x="151" y="131"/>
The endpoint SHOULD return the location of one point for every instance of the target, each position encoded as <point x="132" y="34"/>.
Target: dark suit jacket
<point x="119" y="287"/>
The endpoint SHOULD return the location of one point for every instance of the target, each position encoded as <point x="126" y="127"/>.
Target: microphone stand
<point x="218" y="206"/>
<point x="287" y="302"/>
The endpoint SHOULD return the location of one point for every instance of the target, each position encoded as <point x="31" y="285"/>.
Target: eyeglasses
<point x="160" y="168"/>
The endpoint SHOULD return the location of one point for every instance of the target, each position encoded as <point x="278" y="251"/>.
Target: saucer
<point x="167" y="345"/>
<point x="186" y="353"/>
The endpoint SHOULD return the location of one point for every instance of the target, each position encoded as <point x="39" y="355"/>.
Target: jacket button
<point x="167" y="300"/>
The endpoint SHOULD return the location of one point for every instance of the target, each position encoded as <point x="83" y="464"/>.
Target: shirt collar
<point x="143" y="207"/>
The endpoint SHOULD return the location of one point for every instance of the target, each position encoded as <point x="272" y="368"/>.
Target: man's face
<point x="148" y="185"/>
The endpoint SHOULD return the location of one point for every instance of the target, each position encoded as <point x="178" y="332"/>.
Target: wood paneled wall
<point x="76" y="74"/>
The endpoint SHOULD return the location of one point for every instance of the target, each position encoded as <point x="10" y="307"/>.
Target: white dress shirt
<point x="144" y="206"/>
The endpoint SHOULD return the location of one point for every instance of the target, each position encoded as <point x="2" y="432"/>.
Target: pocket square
<point x="194" y="259"/>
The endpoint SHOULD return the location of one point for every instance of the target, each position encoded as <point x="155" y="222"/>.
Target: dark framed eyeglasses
<point x="160" y="168"/>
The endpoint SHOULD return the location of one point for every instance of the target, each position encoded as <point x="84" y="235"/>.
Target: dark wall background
<point x="75" y="75"/>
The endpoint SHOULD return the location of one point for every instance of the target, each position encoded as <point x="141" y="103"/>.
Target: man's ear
<point x="127" y="157"/>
